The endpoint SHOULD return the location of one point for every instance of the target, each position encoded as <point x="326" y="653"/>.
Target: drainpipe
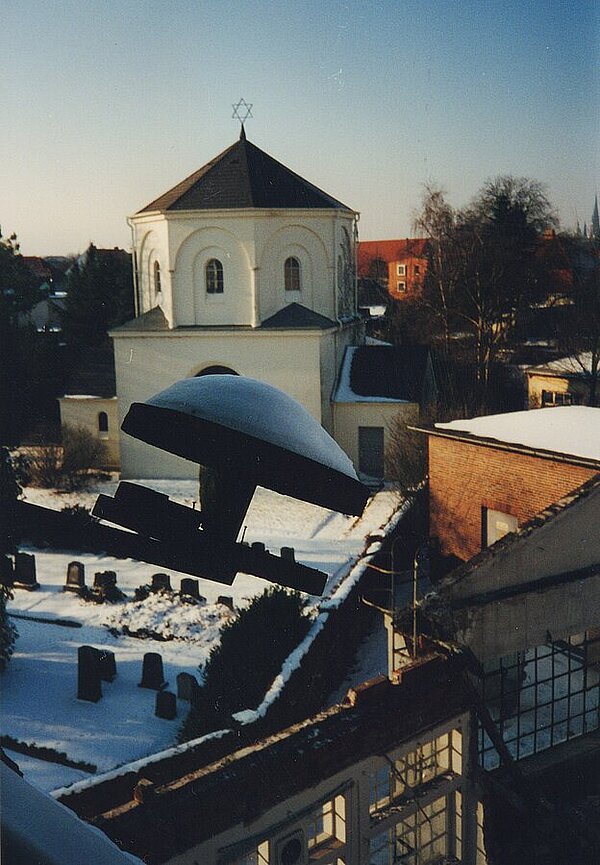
<point x="136" y="297"/>
<point x="255" y="314"/>
<point x="356" y="219"/>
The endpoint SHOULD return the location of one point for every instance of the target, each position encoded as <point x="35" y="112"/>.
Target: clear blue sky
<point x="107" y="104"/>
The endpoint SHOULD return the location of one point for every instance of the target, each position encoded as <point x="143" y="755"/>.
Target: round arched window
<point x="214" y="276"/>
<point x="103" y="425"/>
<point x="291" y="270"/>
<point x="216" y="370"/>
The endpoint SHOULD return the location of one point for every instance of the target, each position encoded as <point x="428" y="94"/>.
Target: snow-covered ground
<point x="40" y="702"/>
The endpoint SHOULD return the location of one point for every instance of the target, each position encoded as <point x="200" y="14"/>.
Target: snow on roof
<point x="344" y="391"/>
<point x="575" y="365"/>
<point x="257" y="409"/>
<point x="573" y="430"/>
<point x="37" y="829"/>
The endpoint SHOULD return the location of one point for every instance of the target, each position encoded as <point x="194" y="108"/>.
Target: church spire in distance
<point x="596" y="221"/>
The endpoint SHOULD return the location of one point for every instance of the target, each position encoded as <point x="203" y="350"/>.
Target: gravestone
<point x="105" y="580"/>
<point x="288" y="553"/>
<point x="166" y="705"/>
<point x="152" y="672"/>
<point x="75" y="577"/>
<point x="186" y="686"/>
<point x="226" y="600"/>
<point x="108" y="666"/>
<point x="25" y="572"/>
<point x="190" y="587"/>
<point x="89" y="677"/>
<point x="258" y="546"/>
<point x="159" y="582"/>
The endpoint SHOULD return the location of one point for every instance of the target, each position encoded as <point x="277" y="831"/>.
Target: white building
<point x="247" y="268"/>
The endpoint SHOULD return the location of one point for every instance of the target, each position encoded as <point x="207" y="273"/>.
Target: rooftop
<point x="243" y="176"/>
<point x="572" y="431"/>
<point x="389" y="250"/>
<point x="382" y="373"/>
<point x="576" y="365"/>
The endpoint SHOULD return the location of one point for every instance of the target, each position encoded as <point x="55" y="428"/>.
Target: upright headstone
<point x="226" y="600"/>
<point x="288" y="553"/>
<point x="152" y="672"/>
<point x="105" y="580"/>
<point x="186" y="686"/>
<point x="160" y="582"/>
<point x="89" y="685"/>
<point x="258" y="546"/>
<point x="25" y="572"/>
<point x="108" y="665"/>
<point x="166" y="705"/>
<point x="75" y="577"/>
<point x="190" y="587"/>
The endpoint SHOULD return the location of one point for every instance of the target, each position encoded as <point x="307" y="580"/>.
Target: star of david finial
<point x="242" y="111"/>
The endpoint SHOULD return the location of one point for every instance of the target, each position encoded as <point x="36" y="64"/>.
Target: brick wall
<point x="465" y="477"/>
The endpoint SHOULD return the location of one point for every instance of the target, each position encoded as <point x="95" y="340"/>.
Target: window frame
<point x="214" y="277"/>
<point x="103" y="425"/>
<point x="292" y="274"/>
<point x="156" y="275"/>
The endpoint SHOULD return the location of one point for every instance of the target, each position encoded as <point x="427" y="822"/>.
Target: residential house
<point x="565" y="381"/>
<point x="399" y="264"/>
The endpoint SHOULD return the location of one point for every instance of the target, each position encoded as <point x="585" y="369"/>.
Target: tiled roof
<point x="389" y="250"/>
<point x="296" y="316"/>
<point x="243" y="176"/>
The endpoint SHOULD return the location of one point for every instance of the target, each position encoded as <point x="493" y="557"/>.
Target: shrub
<point x="70" y="466"/>
<point x="253" y="647"/>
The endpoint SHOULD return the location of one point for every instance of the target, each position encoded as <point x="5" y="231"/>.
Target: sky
<point x="106" y="105"/>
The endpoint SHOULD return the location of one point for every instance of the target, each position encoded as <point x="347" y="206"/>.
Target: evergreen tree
<point x="99" y="296"/>
<point x="241" y="668"/>
<point x="9" y="492"/>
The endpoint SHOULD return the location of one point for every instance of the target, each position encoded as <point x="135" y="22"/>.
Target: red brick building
<point x="490" y="475"/>
<point x="403" y="263"/>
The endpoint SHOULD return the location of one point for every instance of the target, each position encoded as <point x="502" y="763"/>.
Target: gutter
<point x="468" y="438"/>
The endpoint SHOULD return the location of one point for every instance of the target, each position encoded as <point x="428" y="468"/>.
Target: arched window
<point x="291" y="270"/>
<point x="156" y="277"/>
<point x="216" y="370"/>
<point x="214" y="276"/>
<point x="103" y="424"/>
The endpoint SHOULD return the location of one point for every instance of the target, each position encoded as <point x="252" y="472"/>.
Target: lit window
<point x="156" y="277"/>
<point x="552" y="397"/>
<point x="401" y="287"/>
<point x="327" y="824"/>
<point x="401" y="270"/>
<point x="291" y="271"/>
<point x="214" y="277"/>
<point x="103" y="425"/>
